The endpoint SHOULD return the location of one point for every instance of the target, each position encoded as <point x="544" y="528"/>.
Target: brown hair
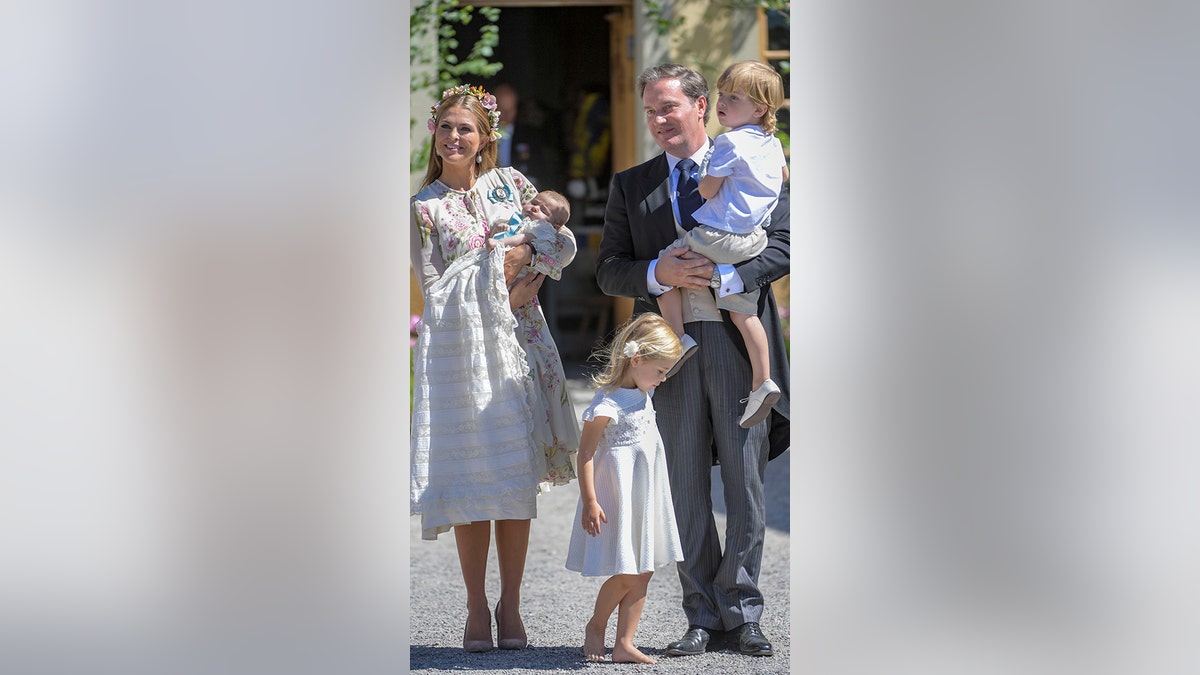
<point x="691" y="83"/>
<point x="762" y="85"/>
<point x="482" y="126"/>
<point x="654" y="339"/>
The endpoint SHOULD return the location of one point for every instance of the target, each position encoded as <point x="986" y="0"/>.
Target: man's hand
<point x="683" y="268"/>
<point x="524" y="291"/>
<point x="515" y="259"/>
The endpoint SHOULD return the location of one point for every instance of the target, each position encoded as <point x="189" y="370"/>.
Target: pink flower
<point x="489" y="102"/>
<point x="476" y="241"/>
<point x="414" y="323"/>
<point x="431" y="125"/>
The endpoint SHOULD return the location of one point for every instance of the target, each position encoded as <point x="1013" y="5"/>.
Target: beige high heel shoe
<point x="478" y="645"/>
<point x="509" y="643"/>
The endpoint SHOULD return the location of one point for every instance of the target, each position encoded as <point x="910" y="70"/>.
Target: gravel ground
<point x="556" y="602"/>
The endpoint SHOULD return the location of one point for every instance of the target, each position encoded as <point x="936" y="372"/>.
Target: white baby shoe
<point x="758" y="404"/>
<point x="689" y="349"/>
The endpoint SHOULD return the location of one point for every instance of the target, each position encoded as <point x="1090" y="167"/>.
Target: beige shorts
<point x="723" y="247"/>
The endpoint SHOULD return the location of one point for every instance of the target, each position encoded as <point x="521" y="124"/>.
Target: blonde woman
<point x="491" y="420"/>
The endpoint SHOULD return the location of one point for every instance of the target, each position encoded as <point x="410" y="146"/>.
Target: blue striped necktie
<point x="687" y="194"/>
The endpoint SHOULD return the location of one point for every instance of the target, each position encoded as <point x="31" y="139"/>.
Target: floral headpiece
<point x="485" y="99"/>
<point x="631" y="349"/>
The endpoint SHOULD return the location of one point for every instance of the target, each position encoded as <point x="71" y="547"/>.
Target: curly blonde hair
<point x="762" y="85"/>
<point x="648" y="336"/>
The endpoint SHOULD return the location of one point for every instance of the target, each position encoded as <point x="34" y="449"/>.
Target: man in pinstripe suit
<point x="698" y="407"/>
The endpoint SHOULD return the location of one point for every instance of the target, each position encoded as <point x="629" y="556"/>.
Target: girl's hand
<point x="593" y="515"/>
<point x="525" y="290"/>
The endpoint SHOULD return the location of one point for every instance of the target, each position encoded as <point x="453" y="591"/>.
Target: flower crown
<point x="485" y="99"/>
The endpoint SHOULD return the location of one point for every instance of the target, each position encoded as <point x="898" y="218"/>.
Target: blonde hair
<point x="762" y="85"/>
<point x="483" y="126"/>
<point x="651" y="337"/>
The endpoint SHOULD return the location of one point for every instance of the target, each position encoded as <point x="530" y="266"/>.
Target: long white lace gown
<point x="491" y="418"/>
<point x="632" y="486"/>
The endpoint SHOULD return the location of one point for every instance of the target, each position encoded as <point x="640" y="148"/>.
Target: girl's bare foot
<point x="629" y="654"/>
<point x="593" y="642"/>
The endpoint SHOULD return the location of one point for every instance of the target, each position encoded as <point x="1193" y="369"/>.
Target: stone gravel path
<point x="556" y="602"/>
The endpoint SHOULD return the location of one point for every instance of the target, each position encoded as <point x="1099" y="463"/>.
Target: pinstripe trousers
<point x="695" y="407"/>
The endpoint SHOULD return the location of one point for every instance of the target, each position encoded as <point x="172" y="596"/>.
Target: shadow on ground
<point x="433" y="659"/>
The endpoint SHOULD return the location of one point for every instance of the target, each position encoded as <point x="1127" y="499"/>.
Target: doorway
<point x="571" y="67"/>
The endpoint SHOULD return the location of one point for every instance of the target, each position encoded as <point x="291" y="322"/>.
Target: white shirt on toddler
<point x="751" y="161"/>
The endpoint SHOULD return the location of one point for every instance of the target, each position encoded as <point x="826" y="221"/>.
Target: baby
<point x="546" y="206"/>
<point x="543" y="217"/>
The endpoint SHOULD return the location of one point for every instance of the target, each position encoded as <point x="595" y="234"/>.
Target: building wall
<point x="711" y="37"/>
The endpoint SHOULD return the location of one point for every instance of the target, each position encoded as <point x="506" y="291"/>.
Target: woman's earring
<point x="479" y="158"/>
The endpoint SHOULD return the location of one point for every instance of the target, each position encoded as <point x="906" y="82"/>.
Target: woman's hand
<point x="516" y="259"/>
<point x="525" y="290"/>
<point x="593" y="515"/>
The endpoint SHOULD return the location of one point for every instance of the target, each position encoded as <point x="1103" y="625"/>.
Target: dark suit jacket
<point x="638" y="223"/>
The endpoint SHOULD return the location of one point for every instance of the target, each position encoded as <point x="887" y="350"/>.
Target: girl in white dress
<point x="624" y="523"/>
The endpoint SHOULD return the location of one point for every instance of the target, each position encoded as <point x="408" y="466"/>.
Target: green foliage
<point x="765" y="5"/>
<point x="443" y="18"/>
<point x="657" y="15"/>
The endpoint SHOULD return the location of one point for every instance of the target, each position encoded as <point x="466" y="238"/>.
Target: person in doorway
<point x="523" y="144"/>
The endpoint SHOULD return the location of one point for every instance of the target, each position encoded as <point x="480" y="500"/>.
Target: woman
<point x="491" y="419"/>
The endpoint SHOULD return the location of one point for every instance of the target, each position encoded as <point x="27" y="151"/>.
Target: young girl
<point x="745" y="175"/>
<point x="624" y="524"/>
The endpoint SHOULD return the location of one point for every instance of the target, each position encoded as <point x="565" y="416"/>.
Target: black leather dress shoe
<point x="749" y="639"/>
<point x="694" y="642"/>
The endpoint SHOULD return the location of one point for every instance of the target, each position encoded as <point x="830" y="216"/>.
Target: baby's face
<point x="539" y="209"/>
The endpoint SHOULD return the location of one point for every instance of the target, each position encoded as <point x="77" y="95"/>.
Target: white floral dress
<point x="492" y="423"/>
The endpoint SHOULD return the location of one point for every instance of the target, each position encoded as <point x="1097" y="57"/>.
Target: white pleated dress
<point x="632" y="487"/>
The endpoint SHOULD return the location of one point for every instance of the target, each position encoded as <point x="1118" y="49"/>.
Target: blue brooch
<point x="500" y="194"/>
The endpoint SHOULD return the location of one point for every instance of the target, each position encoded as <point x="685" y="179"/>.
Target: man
<point x="698" y="407"/>
<point x="523" y="145"/>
